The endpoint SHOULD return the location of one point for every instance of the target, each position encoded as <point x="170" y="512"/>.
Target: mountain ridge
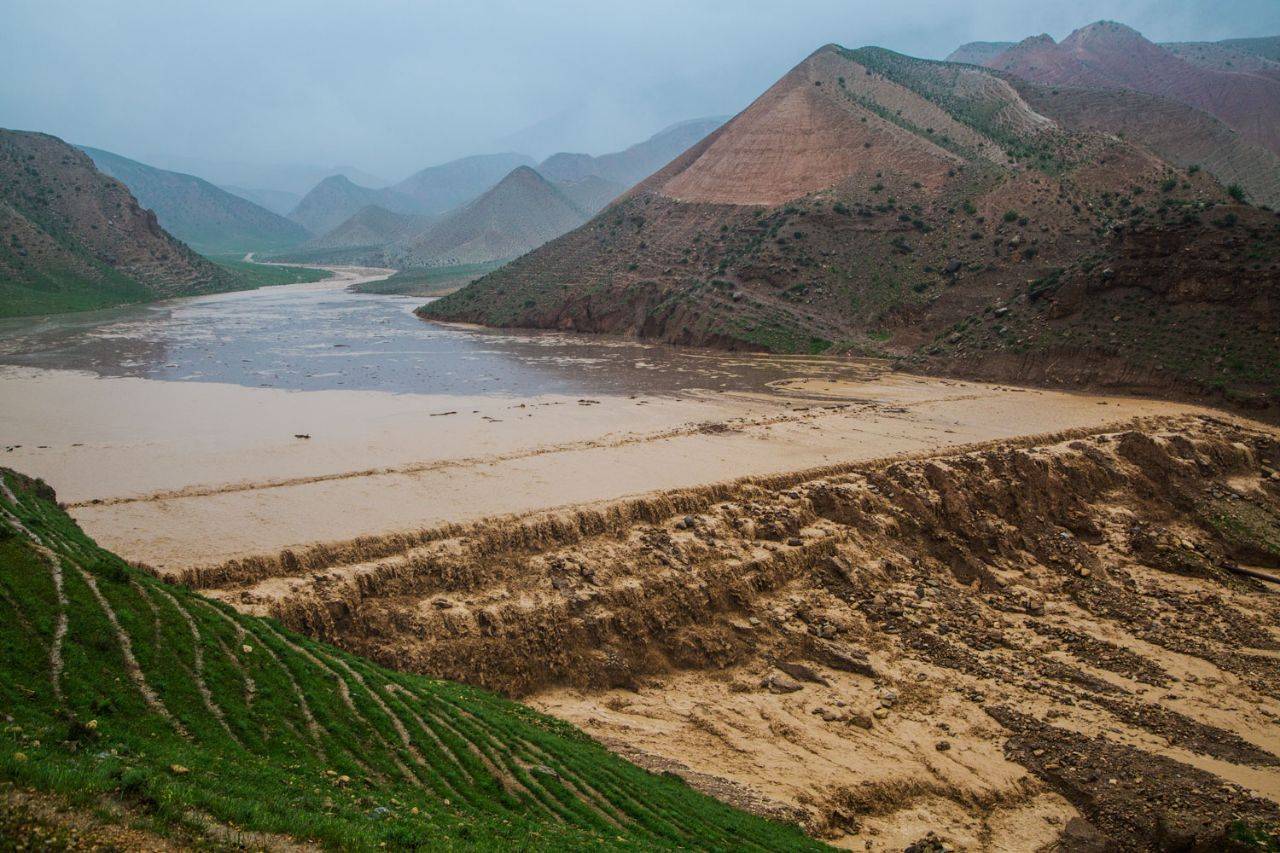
<point x="206" y="217"/>
<point x="75" y="238"/>
<point x="869" y="202"/>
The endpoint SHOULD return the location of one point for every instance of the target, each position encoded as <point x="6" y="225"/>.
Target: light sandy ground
<point x="179" y="474"/>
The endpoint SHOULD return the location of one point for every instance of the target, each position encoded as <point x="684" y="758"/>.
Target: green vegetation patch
<point x="120" y="690"/>
<point x="433" y="281"/>
<point x="267" y="275"/>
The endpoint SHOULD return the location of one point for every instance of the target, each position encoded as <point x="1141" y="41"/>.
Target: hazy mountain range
<point x="969" y="218"/>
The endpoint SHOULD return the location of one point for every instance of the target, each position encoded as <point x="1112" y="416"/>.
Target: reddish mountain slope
<point x="870" y="202"/>
<point x="978" y="52"/>
<point x="1250" y="56"/>
<point x="633" y="164"/>
<point x="1183" y="135"/>
<point x="1107" y="55"/>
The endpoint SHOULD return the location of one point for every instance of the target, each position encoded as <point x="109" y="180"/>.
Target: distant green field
<point x="267" y="275"/>
<point x="54" y="291"/>
<point x="144" y="703"/>
<point x="428" y="282"/>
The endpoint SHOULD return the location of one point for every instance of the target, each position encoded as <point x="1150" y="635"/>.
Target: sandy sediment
<point x="1014" y="644"/>
<point x="180" y="474"/>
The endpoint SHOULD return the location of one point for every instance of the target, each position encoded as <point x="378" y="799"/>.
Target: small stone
<point x="862" y="721"/>
<point x="247" y="649"/>
<point x="777" y="682"/>
<point x="942" y="745"/>
<point x="880" y="713"/>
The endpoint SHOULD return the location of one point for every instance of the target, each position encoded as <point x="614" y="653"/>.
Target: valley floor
<point x="876" y="604"/>
<point x="166" y="473"/>
<point x="1020" y="645"/>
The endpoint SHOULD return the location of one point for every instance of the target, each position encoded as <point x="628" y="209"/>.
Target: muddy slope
<point x="1026" y="643"/>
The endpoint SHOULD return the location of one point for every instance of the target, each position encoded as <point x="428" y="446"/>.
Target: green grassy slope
<point x="266" y="275"/>
<point x="118" y="690"/>
<point x="428" y="281"/>
<point x="205" y="217"/>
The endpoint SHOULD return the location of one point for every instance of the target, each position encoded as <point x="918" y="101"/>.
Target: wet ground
<point x="310" y="338"/>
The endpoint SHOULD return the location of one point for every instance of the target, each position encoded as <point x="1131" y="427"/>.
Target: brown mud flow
<point x="1028" y="642"/>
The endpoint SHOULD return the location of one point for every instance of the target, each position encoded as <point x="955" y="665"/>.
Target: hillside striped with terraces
<point x="127" y="696"/>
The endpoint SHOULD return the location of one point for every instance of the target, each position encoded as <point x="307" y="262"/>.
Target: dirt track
<point x="1029" y="641"/>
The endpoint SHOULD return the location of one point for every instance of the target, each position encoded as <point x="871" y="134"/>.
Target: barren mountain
<point x="437" y="189"/>
<point x="635" y="163"/>
<point x="205" y="217"/>
<point x="1107" y="55"/>
<point x="978" y="52"/>
<point x="1180" y="134"/>
<point x="590" y="194"/>
<point x="276" y="201"/>
<point x="336" y="199"/>
<point x="869" y="202"/>
<point x="73" y="238"/>
<point x="1250" y="56"/>
<point x="371" y="226"/>
<point x="523" y="211"/>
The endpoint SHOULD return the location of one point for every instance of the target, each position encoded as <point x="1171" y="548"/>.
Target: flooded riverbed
<point x="201" y="430"/>
<point x="319" y="337"/>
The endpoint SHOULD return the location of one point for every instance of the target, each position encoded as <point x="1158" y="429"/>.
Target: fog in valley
<point x="276" y="95"/>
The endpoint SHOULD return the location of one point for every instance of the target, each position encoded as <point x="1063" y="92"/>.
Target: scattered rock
<point x="778" y="682"/>
<point x="802" y="672"/>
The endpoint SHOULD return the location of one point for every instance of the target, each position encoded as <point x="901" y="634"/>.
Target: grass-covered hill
<point x="143" y="705"/>
<point x="72" y="238"/>
<point x="207" y="218"/>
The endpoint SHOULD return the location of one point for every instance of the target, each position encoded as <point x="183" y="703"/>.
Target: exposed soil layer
<point x="1033" y="642"/>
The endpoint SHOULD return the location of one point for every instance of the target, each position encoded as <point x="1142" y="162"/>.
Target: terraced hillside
<point x="146" y="711"/>
<point x="1058" y="642"/>
<point x="72" y="238"/>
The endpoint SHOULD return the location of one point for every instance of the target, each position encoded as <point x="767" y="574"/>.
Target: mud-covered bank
<point x="1025" y="642"/>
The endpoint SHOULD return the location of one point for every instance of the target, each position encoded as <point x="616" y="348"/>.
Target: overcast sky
<point x="390" y="86"/>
